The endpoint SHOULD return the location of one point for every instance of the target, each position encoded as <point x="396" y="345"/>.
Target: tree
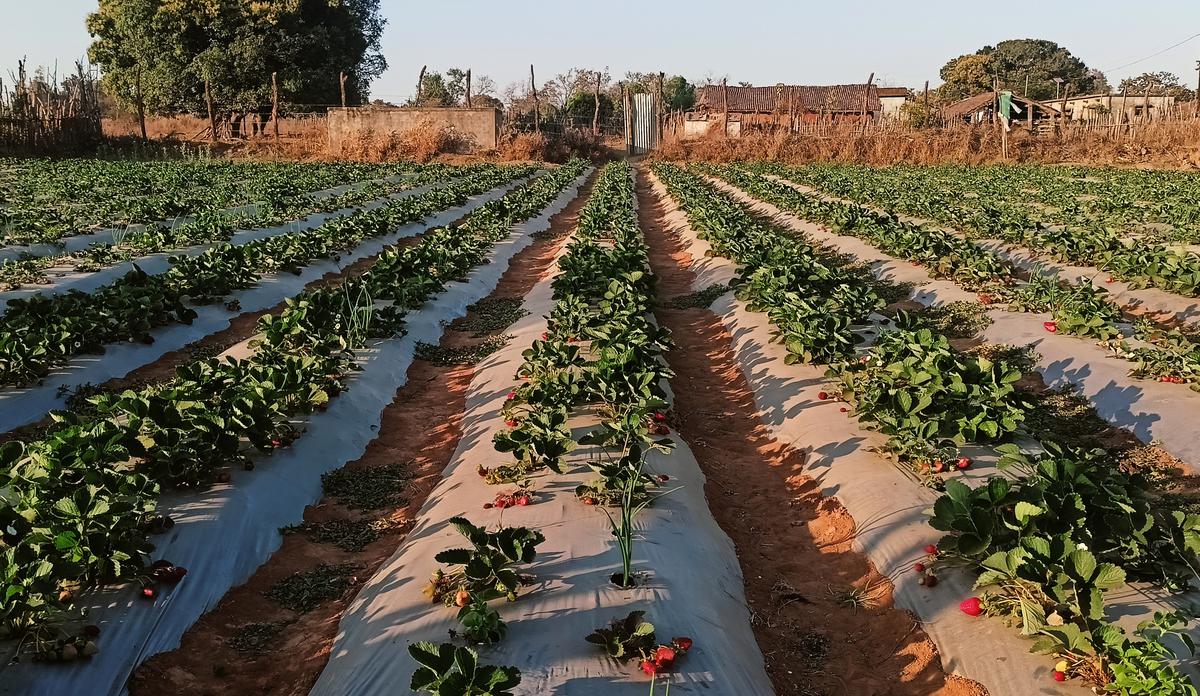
<point x="438" y="90"/>
<point x="172" y="46"/>
<point x="1011" y="64"/>
<point x="966" y="76"/>
<point x="1159" y="84"/>
<point x="680" y="94"/>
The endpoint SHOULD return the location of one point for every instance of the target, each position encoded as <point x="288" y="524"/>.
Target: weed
<point x="302" y="592"/>
<point x="348" y="535"/>
<point x="443" y="356"/>
<point x="367" y="489"/>
<point x="256" y="638"/>
<point x="699" y="300"/>
<point x="491" y="315"/>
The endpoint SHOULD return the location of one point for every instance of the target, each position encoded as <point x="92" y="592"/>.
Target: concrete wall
<point x="891" y="106"/>
<point x="1098" y="106"/>
<point x="481" y="125"/>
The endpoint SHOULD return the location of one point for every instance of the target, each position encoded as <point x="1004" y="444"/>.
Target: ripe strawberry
<point x="511" y="396"/>
<point x="930" y="549"/>
<point x="462" y="598"/>
<point x="1110" y="279"/>
<point x="649" y="667"/>
<point x="843" y="409"/>
<point x="963" y="462"/>
<point x="149" y="592"/>
<point x="588" y="500"/>
<point x="971" y="606"/>
<point x="545" y="335"/>
<point x="276" y="442"/>
<point x="822" y="395"/>
<point x="659" y="417"/>
<point x="1060" y="676"/>
<point x="521" y="500"/>
<point x="1051" y="326"/>
<point x="919" y="567"/>
<point x="511" y="423"/>
<point x="664" y="657"/>
<point x="937" y="466"/>
<point x="682" y="643"/>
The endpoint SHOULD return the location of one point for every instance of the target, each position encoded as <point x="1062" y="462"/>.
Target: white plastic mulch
<point x="223" y="534"/>
<point x="154" y="264"/>
<point x="693" y="588"/>
<point x="20" y="406"/>
<point x="888" y="507"/>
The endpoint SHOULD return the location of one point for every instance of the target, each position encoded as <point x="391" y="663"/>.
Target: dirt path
<point x="822" y="614"/>
<point x="420" y="431"/>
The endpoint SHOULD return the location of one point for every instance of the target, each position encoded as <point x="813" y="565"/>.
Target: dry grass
<point x="421" y="143"/>
<point x="556" y="147"/>
<point x="1174" y="144"/>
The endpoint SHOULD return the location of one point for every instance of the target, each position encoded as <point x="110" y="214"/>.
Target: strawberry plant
<point x="448" y="670"/>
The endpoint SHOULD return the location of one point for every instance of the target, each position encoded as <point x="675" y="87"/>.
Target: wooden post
<point x="1196" y="98"/>
<point x="866" y="100"/>
<point x="420" y="85"/>
<point x="925" y="105"/>
<point x="661" y="101"/>
<point x="212" y="116"/>
<point x="1146" y="104"/>
<point x="342" y="87"/>
<point x="537" y="109"/>
<point x="627" y="119"/>
<point x="468" y="88"/>
<point x="1124" y="96"/>
<point x="596" y="112"/>
<point x="725" y="103"/>
<point x="275" y="104"/>
<point x="1062" y="108"/>
<point x="141" y="103"/>
<point x="791" y="109"/>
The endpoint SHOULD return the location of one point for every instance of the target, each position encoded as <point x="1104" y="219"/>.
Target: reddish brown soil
<point x="794" y="545"/>
<point x="422" y="425"/>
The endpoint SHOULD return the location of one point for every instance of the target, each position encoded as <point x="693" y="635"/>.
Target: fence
<point x="39" y="115"/>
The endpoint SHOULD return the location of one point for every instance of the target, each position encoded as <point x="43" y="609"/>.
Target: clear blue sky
<point x="759" y="41"/>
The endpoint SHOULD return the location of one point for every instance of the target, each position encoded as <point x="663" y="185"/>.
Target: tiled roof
<point x="832" y="98"/>
<point x="892" y="91"/>
<point x="970" y="105"/>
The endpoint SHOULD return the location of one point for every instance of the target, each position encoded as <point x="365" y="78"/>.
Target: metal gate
<point x="641" y="124"/>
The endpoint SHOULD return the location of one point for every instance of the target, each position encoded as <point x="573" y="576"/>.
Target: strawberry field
<point x="601" y="429"/>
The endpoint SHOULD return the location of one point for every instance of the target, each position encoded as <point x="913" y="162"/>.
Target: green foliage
<point x="625" y="639"/>
<point x="447" y="670"/>
<point x="163" y="51"/>
<point x="1011" y="62"/>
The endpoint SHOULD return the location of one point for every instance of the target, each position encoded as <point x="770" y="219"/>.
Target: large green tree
<point x="1157" y="83"/>
<point x="159" y="52"/>
<point x="1014" y="64"/>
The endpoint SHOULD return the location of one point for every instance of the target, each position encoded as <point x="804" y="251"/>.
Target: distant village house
<point x="784" y="106"/>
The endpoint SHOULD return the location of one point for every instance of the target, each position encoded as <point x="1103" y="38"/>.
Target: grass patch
<point x="303" y="592"/>
<point x="1023" y="358"/>
<point x="699" y="300"/>
<point x="1065" y="416"/>
<point x="256" y="638"/>
<point x="958" y="319"/>
<point x="491" y="315"/>
<point x="367" y="489"/>
<point x="347" y="535"/>
<point x="443" y="356"/>
<point x="893" y="291"/>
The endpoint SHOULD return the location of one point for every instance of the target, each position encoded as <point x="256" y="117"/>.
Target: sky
<point x="758" y="41"/>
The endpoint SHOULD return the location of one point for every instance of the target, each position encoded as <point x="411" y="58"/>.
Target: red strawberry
<point x="919" y="567"/>
<point x="545" y="335"/>
<point x="521" y="500"/>
<point x="682" y="643"/>
<point x="511" y="396"/>
<point x="149" y="592"/>
<point x="659" y="417"/>
<point x="588" y="500"/>
<point x="664" y="657"/>
<point x="511" y="423"/>
<point x="649" y="667"/>
<point x="1110" y="279"/>
<point x="937" y="466"/>
<point x="1051" y="326"/>
<point x="971" y="606"/>
<point x="663" y="478"/>
<point x="462" y="598"/>
<point x="930" y="549"/>
<point x="822" y="395"/>
<point x="843" y="409"/>
<point x="963" y="462"/>
<point x="276" y="443"/>
<point x="1060" y="676"/>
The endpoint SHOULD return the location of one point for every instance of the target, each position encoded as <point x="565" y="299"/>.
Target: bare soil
<point x="422" y="426"/>
<point x="794" y="545"/>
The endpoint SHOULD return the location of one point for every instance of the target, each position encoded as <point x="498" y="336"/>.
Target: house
<point x="763" y="108"/>
<point x="981" y="108"/>
<point x="891" y="99"/>
<point x="1094" y="107"/>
